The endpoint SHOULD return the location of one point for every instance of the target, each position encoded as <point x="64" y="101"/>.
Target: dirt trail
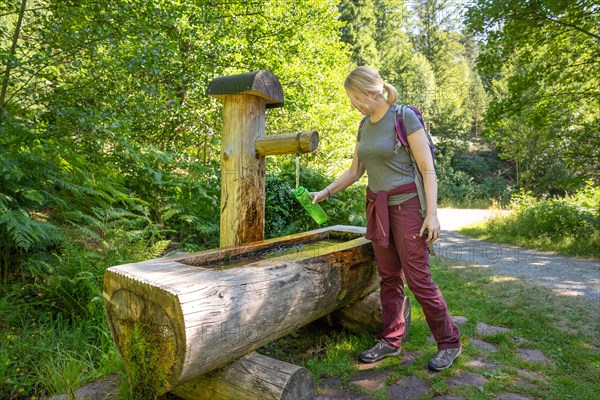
<point x="566" y="276"/>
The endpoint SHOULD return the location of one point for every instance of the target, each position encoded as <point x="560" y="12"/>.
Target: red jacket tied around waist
<point x="378" y="221"/>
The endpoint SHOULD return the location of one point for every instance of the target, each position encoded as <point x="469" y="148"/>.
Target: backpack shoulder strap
<point x="359" y="163"/>
<point x="401" y="135"/>
<point x="403" y="139"/>
<point x="362" y="122"/>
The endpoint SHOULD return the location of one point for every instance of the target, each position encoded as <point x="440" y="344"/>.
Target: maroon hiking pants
<point x="407" y="257"/>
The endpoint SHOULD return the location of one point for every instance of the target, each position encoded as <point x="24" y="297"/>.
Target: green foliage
<point x="44" y="353"/>
<point x="569" y="225"/>
<point x="539" y="64"/>
<point x="284" y="215"/>
<point x="557" y="217"/>
<point x="588" y="197"/>
<point x="361" y="24"/>
<point x="472" y="178"/>
<point x="109" y="147"/>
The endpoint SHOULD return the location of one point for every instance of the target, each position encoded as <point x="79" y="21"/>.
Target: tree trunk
<point x="13" y="50"/>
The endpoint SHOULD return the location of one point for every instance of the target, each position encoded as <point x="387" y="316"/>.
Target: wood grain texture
<point x="242" y="173"/>
<point x="217" y="316"/>
<point x="251" y="377"/>
<point x="288" y="143"/>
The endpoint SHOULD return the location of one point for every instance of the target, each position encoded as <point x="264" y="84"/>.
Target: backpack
<point x="402" y="141"/>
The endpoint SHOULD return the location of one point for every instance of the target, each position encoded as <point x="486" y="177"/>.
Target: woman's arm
<point x="420" y="149"/>
<point x="343" y="181"/>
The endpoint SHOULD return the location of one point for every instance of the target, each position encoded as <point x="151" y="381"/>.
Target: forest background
<point x="110" y="149"/>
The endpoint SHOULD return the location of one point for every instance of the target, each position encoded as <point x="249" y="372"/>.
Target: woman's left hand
<point x="432" y="225"/>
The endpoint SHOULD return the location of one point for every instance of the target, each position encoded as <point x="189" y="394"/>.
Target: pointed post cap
<point x="263" y="84"/>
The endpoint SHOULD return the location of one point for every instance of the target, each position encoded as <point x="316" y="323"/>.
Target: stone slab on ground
<point x="490" y="330"/>
<point x="361" y="366"/>
<point x="531" y="375"/>
<point x="448" y="398"/>
<point x="338" y="394"/>
<point x="408" y="388"/>
<point x="533" y="355"/>
<point x="481" y="364"/>
<point x="409" y="357"/>
<point x="106" y="388"/>
<point x="519" y="340"/>
<point x="525" y="384"/>
<point x="483" y="345"/>
<point x="458" y="320"/>
<point x="511" y="396"/>
<point x="331" y="383"/>
<point x="370" y="379"/>
<point x="467" y="379"/>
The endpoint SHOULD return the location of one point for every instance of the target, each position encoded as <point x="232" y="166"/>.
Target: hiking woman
<point x="395" y="224"/>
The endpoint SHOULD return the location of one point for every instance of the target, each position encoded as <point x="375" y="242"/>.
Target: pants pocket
<point x="415" y="249"/>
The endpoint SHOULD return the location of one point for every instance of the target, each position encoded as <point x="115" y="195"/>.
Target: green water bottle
<point x="314" y="210"/>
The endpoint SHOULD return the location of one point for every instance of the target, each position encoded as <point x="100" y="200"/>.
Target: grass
<point x="565" y="329"/>
<point x="472" y="203"/>
<point x="568" y="225"/>
<point x="41" y="355"/>
<point x="508" y="230"/>
<point x="58" y="355"/>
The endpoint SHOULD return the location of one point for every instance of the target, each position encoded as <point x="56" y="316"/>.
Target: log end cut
<point x="147" y="330"/>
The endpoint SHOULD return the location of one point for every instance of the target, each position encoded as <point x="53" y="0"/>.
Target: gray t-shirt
<point x="386" y="170"/>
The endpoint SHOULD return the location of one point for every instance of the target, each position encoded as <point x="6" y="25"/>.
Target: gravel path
<point x="564" y="275"/>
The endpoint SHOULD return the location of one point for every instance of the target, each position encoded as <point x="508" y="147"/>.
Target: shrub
<point x="284" y="215"/>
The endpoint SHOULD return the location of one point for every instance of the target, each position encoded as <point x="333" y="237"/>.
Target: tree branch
<point x="13" y="50"/>
<point x="30" y="10"/>
<point x="569" y="25"/>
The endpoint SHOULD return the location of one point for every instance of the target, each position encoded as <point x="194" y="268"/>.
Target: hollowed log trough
<point x="210" y="308"/>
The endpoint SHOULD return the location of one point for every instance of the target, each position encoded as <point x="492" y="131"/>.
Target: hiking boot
<point x="444" y="359"/>
<point x="381" y="350"/>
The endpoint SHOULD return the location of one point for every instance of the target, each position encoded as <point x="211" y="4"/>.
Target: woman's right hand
<point x="319" y="196"/>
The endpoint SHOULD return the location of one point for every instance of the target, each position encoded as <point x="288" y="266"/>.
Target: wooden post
<point x="243" y="151"/>
<point x="246" y="96"/>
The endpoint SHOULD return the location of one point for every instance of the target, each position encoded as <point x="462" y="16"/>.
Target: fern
<point x="24" y="232"/>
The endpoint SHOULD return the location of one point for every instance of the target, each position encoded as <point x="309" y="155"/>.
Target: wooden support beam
<point x="365" y="315"/>
<point x="287" y="143"/>
<point x="251" y="377"/>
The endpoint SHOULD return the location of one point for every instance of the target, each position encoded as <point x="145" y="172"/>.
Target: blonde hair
<point x="367" y="81"/>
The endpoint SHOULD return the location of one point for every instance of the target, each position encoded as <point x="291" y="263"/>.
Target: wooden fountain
<point x="205" y="313"/>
